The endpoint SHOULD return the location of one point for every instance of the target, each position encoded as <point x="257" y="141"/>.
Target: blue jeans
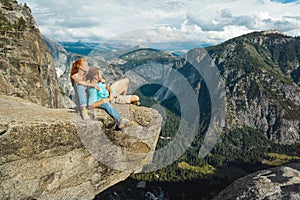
<point x="81" y="91"/>
<point x="111" y="110"/>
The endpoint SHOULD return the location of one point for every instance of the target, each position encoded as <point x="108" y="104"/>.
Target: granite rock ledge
<point x="44" y="156"/>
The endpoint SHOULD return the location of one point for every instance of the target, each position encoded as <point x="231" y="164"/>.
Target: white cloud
<point x="205" y="21"/>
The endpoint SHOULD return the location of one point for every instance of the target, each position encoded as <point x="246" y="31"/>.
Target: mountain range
<point x="260" y="70"/>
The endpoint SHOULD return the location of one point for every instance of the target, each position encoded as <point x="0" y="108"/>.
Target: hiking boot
<point x="124" y="122"/>
<point x="85" y="115"/>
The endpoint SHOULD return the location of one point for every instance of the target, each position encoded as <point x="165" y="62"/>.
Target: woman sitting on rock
<point x="78" y="78"/>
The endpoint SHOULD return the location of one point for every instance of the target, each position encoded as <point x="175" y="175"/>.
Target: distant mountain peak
<point x="274" y="31"/>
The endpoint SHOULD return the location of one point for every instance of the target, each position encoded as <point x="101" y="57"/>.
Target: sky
<point x="157" y="21"/>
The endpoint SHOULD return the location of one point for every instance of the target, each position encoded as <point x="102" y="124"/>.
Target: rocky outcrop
<point x="277" y="183"/>
<point x="51" y="154"/>
<point x="27" y="68"/>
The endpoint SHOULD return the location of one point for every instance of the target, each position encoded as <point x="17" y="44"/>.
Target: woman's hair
<point x="75" y="67"/>
<point x="93" y="71"/>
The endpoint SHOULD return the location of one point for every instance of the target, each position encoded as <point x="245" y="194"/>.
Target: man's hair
<point x="93" y="71"/>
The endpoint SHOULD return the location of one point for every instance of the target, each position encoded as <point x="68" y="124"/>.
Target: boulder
<point x="276" y="183"/>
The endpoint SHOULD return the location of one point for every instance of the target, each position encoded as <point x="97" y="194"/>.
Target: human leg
<point x="121" y="86"/>
<point x="126" y="99"/>
<point x="111" y="111"/>
<point x="122" y="122"/>
<point x="120" y="89"/>
<point x="81" y="91"/>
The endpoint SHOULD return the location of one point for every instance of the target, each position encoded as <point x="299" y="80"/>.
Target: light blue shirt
<point x="95" y="95"/>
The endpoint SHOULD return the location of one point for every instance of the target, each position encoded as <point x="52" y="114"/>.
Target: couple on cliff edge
<point x="92" y="92"/>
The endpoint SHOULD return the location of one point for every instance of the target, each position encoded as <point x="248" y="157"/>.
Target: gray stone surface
<point x="43" y="154"/>
<point x="27" y="68"/>
<point x="271" y="184"/>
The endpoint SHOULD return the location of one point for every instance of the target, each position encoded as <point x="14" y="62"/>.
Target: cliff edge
<point x="45" y="153"/>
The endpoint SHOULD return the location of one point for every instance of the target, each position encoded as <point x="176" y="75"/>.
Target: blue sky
<point x="209" y="22"/>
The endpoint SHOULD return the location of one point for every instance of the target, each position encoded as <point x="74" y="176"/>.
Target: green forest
<point x="243" y="149"/>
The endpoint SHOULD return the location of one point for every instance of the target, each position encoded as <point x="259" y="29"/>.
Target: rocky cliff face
<point x="262" y="86"/>
<point x="277" y="183"/>
<point x="48" y="154"/>
<point x="26" y="66"/>
<point x="261" y="80"/>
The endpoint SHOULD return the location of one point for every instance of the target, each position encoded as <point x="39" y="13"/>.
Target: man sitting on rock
<point x="115" y="93"/>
